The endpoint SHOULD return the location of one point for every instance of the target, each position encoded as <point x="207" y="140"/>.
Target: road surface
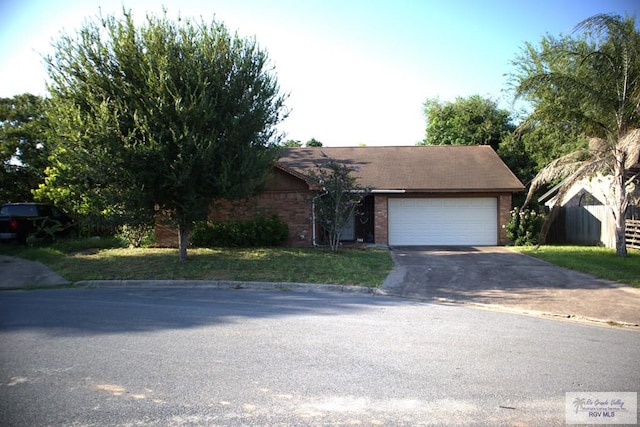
<point x="190" y="357"/>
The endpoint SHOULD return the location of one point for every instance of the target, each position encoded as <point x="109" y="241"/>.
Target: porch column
<point x="381" y="219"/>
<point x="504" y="215"/>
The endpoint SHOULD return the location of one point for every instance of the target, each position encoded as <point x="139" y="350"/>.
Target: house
<point x="586" y="216"/>
<point x="421" y="195"/>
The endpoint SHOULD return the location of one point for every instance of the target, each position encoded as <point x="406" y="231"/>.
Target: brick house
<point x="422" y="195"/>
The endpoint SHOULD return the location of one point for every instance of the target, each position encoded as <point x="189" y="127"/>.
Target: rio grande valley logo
<point x="601" y="408"/>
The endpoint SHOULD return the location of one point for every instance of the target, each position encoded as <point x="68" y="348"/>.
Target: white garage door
<point x="449" y="221"/>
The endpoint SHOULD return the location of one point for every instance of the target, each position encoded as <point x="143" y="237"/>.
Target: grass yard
<point x="601" y="262"/>
<point x="306" y="265"/>
<point x="103" y="260"/>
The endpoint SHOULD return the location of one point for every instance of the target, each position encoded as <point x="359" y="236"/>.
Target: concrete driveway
<point x="498" y="276"/>
<point x="17" y="273"/>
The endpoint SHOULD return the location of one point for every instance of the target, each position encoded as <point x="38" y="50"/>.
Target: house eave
<point x="463" y="190"/>
<point x="298" y="175"/>
<point x="388" y="191"/>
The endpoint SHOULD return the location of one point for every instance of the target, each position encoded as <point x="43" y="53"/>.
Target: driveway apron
<point x="498" y="276"/>
<point x="18" y="273"/>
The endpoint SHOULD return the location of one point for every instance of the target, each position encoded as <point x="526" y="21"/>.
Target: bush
<point x="49" y="230"/>
<point x="261" y="231"/>
<point x="136" y="236"/>
<point x="524" y="227"/>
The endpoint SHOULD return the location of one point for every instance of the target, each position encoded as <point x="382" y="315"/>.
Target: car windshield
<point x="19" y="210"/>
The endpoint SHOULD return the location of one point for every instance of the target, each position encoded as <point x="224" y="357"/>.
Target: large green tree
<point x="533" y="146"/>
<point x="590" y="84"/>
<point x="166" y="115"/>
<point x="23" y="146"/>
<point x="513" y="152"/>
<point x="466" y="121"/>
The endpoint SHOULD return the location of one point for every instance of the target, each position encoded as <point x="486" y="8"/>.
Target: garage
<point x="443" y="221"/>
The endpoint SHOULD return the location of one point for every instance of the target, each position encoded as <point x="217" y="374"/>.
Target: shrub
<point x="524" y="227"/>
<point x="261" y="231"/>
<point x="136" y="236"/>
<point x="46" y="231"/>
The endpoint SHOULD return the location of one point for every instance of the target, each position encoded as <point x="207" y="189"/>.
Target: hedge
<point x="261" y="231"/>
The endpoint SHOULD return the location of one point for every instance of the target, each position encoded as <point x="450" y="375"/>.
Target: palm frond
<point x="599" y="146"/>
<point x="630" y="144"/>
<point x="600" y="23"/>
<point x="557" y="169"/>
<point x="570" y="168"/>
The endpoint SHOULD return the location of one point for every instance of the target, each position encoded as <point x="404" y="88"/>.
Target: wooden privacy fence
<point x="593" y="225"/>
<point x="632" y="233"/>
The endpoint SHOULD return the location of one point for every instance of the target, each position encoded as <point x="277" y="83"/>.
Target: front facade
<point x="421" y="195"/>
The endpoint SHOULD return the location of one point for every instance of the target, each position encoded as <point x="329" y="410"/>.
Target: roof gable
<point x="434" y="168"/>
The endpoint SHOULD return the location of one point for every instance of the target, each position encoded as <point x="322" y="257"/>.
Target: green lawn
<point x="307" y="265"/>
<point x="601" y="262"/>
<point x="96" y="260"/>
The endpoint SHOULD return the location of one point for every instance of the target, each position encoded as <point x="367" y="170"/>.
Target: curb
<point x="309" y="287"/>
<point x="228" y="284"/>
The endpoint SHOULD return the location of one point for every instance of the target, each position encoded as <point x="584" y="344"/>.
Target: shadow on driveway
<point x="500" y="276"/>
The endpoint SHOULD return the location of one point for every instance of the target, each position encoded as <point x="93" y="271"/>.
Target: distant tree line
<point x="294" y="143"/>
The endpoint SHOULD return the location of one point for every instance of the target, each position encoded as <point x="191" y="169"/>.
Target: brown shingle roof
<point x="434" y="168"/>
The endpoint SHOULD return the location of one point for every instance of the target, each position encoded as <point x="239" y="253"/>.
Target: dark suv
<point x="21" y="220"/>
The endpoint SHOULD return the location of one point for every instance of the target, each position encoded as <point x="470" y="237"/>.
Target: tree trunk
<point x="334" y="240"/>
<point x="621" y="241"/>
<point x="183" y="241"/>
<point x="619" y="203"/>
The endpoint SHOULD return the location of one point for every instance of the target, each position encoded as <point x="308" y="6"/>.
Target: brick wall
<point x="293" y="207"/>
<point x="166" y="237"/>
<point x="504" y="215"/>
<point x="381" y="223"/>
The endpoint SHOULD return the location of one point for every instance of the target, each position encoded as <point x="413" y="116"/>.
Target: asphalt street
<point x="190" y="357"/>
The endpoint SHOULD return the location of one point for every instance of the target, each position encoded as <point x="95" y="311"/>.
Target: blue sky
<point x="357" y="71"/>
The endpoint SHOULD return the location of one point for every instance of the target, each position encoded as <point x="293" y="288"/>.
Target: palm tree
<point x="594" y="81"/>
